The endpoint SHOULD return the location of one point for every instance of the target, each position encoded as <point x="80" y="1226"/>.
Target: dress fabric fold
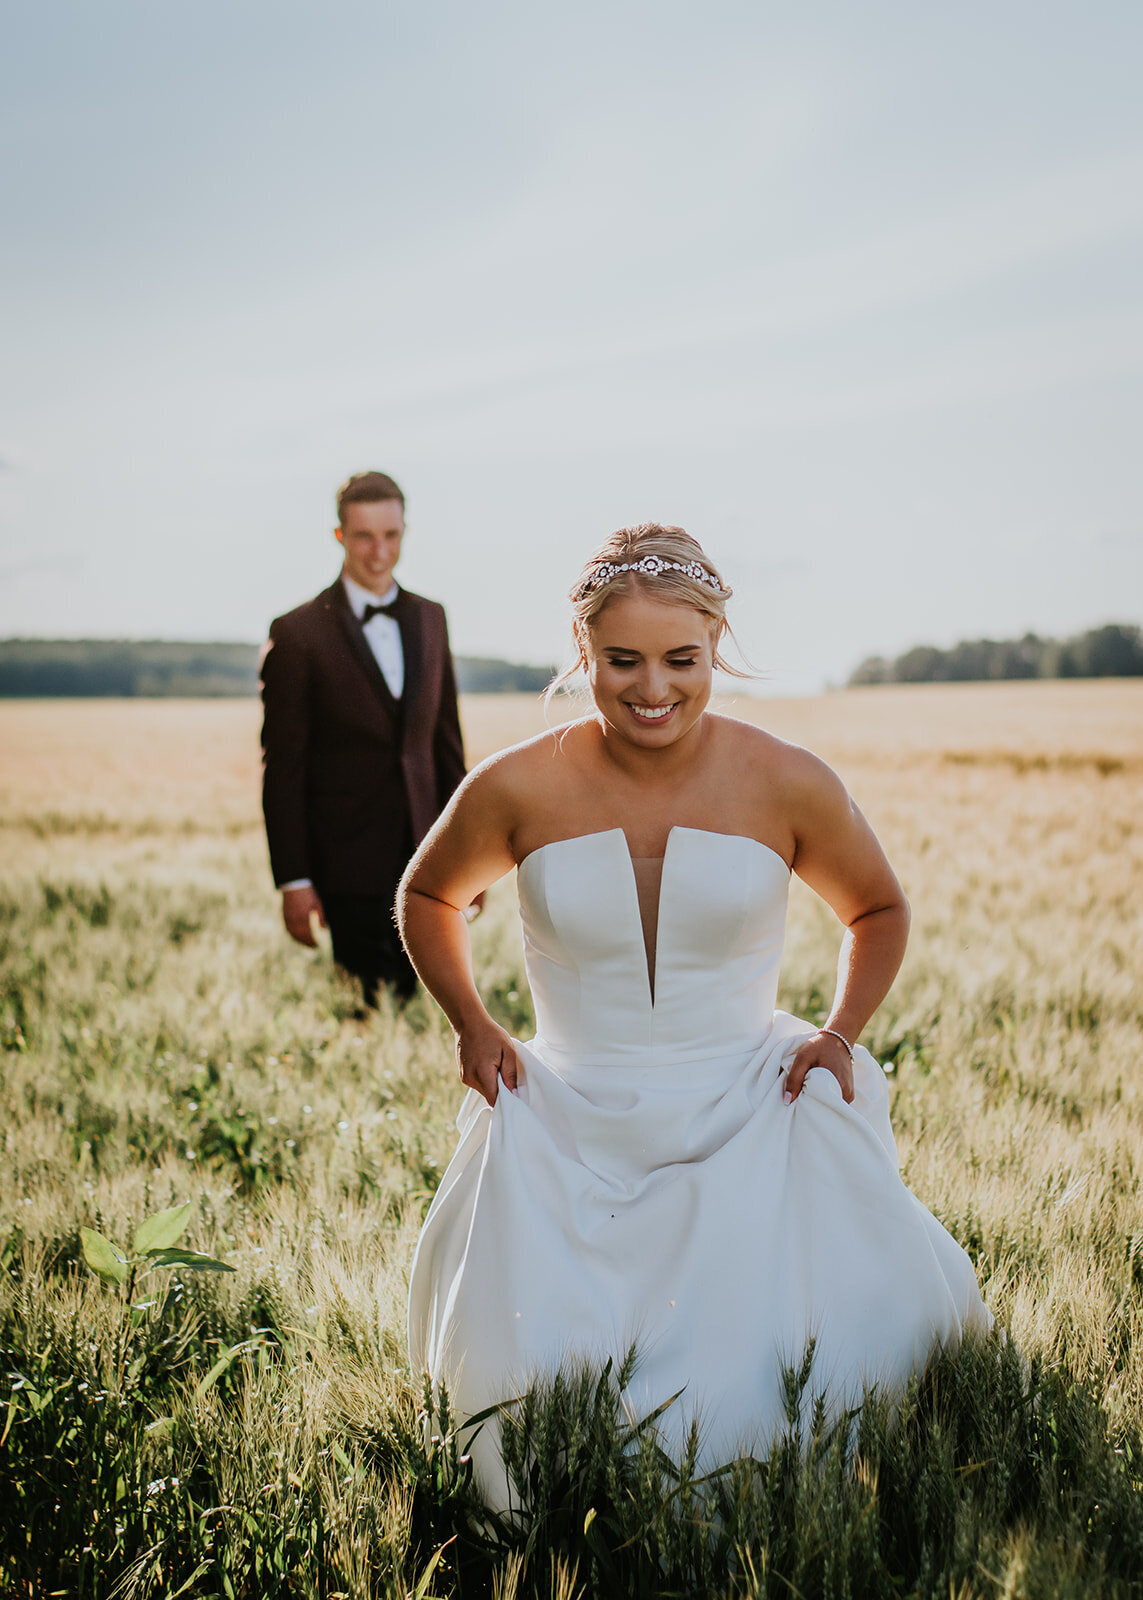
<point x="647" y="1183"/>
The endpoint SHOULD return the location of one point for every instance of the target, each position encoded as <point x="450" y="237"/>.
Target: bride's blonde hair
<point x="678" y="571"/>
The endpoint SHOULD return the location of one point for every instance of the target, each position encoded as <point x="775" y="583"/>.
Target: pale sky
<point x="853" y="292"/>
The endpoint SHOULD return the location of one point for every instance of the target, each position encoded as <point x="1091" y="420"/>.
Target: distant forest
<point x="159" y="668"/>
<point x="1114" y="651"/>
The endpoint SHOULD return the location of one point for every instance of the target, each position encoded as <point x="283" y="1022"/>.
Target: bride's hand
<point x="486" y="1055"/>
<point x="820" y="1050"/>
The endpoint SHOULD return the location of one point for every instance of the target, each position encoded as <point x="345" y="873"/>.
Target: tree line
<point x="163" y="668"/>
<point x="1112" y="651"/>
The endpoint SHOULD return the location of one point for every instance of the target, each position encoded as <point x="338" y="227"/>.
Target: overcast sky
<point x="853" y="292"/>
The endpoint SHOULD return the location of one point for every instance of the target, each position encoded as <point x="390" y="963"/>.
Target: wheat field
<point x="258" y="1432"/>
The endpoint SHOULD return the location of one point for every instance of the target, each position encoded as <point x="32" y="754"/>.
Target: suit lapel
<point x="359" y="644"/>
<point x="410" y="622"/>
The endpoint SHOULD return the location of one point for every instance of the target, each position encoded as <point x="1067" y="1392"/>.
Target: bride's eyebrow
<point x="629" y="650"/>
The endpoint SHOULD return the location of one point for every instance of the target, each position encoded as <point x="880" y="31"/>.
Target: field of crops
<point x="258" y="1433"/>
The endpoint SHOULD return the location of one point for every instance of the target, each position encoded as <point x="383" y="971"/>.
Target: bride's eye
<point x="689" y="661"/>
<point x="623" y="662"/>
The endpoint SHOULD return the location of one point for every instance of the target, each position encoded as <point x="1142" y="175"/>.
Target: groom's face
<point x="370" y="534"/>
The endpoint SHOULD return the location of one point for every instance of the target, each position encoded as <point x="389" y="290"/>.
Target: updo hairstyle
<point x="675" y="548"/>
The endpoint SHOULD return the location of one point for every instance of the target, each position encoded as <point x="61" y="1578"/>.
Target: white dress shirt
<point x="382" y="633"/>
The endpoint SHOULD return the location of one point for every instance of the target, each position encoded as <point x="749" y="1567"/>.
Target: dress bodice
<point x="721" y="921"/>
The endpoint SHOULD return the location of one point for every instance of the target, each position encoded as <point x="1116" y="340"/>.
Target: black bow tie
<point x="380" y="611"/>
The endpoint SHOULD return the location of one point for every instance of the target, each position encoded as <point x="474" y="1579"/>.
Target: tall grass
<point x="261" y="1434"/>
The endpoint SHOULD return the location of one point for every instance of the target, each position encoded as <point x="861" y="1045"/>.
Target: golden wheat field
<point x="164" y="1042"/>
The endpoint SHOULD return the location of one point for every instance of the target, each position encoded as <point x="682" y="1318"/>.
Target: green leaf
<point x="224" y="1361"/>
<point x="421" y="1592"/>
<point x="653" y="1416"/>
<point x="186" y="1258"/>
<point x="597" y="1544"/>
<point x="103" y="1257"/>
<point x="202" y="1568"/>
<point x="161" y="1230"/>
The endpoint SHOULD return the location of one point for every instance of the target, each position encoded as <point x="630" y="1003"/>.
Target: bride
<point x="670" y="1161"/>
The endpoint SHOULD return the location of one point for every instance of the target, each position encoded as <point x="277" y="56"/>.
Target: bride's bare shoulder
<point x="783" y="764"/>
<point x="521" y="772"/>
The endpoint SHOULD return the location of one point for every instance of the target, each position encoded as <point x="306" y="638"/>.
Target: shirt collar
<point x="359" y="598"/>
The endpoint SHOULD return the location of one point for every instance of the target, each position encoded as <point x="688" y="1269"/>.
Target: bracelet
<point x="840" y="1037"/>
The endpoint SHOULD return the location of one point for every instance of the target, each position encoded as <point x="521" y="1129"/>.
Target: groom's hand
<point x="299" y="907"/>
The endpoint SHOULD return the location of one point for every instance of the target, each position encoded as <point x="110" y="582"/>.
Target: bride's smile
<point x="654" y="713"/>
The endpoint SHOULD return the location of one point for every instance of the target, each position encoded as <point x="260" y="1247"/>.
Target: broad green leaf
<point x="597" y="1544"/>
<point x="35" y="1400"/>
<point x="102" y="1256"/>
<point x="421" y="1592"/>
<point x="225" y="1360"/>
<point x="653" y="1416"/>
<point x="203" y="1567"/>
<point x="186" y="1258"/>
<point x="161" y="1230"/>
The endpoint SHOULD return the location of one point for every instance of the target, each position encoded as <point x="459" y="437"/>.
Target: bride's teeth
<point x="652" y="713"/>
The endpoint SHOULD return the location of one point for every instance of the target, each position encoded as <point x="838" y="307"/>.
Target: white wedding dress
<point x="647" y="1183"/>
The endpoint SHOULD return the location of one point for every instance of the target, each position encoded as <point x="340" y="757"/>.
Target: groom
<point x="361" y="741"/>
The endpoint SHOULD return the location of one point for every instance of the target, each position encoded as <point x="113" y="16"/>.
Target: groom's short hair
<point x="366" y="486"/>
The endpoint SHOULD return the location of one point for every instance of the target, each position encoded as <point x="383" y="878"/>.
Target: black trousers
<point x="367" y="944"/>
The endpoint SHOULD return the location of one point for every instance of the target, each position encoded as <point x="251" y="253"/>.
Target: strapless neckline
<point x="677" y="827"/>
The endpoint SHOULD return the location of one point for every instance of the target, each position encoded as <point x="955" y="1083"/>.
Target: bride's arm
<point x="838" y="855"/>
<point x="467" y="849"/>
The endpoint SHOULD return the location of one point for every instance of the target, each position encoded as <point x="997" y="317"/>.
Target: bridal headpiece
<point x="650" y="567"/>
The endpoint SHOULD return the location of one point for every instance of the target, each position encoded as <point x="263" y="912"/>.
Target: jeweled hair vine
<point x="648" y="567"/>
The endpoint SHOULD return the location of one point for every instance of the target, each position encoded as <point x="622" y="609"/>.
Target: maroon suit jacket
<point x="352" y="780"/>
